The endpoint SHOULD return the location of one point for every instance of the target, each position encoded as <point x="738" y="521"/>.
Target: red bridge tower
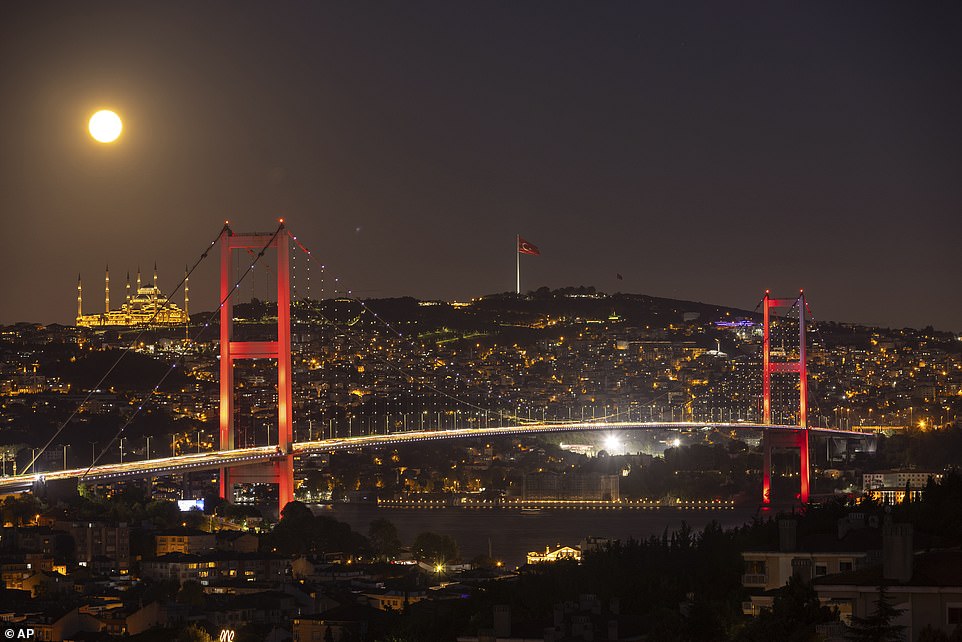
<point x="784" y="438"/>
<point x="280" y="471"/>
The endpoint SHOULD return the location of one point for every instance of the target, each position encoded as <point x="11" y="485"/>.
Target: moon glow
<point x="105" y="126"/>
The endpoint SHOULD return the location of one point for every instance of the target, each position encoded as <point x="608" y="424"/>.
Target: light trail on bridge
<point x="241" y="456"/>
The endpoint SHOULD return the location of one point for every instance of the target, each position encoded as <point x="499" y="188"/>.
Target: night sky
<point x="703" y="150"/>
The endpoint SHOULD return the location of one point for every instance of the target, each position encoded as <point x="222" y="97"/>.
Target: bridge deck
<point x="242" y="456"/>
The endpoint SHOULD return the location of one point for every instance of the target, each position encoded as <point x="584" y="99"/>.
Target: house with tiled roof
<point x="925" y="586"/>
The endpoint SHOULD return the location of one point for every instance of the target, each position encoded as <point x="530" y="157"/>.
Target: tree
<point x="163" y="514"/>
<point x="20" y="510"/>
<point x="295" y="514"/>
<point x="191" y="593"/>
<point x="794" y="614"/>
<point x="194" y="633"/>
<point x="299" y="532"/>
<point x="295" y="531"/>
<point x="483" y="561"/>
<point x="384" y="538"/>
<point x="433" y="547"/>
<point x="878" y="626"/>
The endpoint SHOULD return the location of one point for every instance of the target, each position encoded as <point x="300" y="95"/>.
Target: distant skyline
<point x="703" y="151"/>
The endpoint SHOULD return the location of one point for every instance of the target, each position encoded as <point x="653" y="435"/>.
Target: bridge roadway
<point x="241" y="456"/>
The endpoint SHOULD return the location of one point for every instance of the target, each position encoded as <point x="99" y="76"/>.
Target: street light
<point x="147" y="450"/>
<point x="93" y="453"/>
<point x="4" y="456"/>
<point x="122" y="449"/>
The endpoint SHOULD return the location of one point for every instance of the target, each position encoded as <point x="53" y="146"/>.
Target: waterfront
<point x="512" y="533"/>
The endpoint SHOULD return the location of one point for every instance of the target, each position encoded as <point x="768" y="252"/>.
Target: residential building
<point x="394" y="600"/>
<point x="768" y="569"/>
<point x="189" y="541"/>
<point x="93" y="540"/>
<point x="889" y="486"/>
<point x="216" y="567"/>
<point x="343" y="623"/>
<point x="926" y="587"/>
<point x="554" y="554"/>
<point x="237" y="541"/>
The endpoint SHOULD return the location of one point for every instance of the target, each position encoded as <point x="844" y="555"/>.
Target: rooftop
<point x="933" y="569"/>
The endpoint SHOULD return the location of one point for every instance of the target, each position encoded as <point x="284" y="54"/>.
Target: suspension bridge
<point x="274" y="464"/>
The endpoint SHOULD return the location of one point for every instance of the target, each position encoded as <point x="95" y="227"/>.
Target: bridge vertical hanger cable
<point x="417" y="379"/>
<point x="170" y="369"/>
<point x="130" y="346"/>
<point x="408" y="375"/>
<point x="308" y="263"/>
<point x="411" y="377"/>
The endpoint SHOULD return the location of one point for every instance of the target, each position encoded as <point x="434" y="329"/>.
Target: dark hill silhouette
<point x="134" y="372"/>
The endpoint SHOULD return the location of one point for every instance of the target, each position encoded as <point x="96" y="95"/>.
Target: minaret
<point x="155" y="275"/>
<point x="138" y="279"/>
<point x="80" y="299"/>
<point x="128" y="287"/>
<point x="107" y="290"/>
<point x="186" y="304"/>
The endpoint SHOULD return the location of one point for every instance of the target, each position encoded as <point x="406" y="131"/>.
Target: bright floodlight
<point x="612" y="444"/>
<point x="105" y="126"/>
<point x="676" y="442"/>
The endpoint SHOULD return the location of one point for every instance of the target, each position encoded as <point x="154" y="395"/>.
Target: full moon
<point x="105" y="126"/>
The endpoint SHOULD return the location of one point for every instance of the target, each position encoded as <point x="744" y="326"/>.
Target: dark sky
<point x="704" y="150"/>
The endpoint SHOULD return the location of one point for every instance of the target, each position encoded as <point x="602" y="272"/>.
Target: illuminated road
<point x="259" y="454"/>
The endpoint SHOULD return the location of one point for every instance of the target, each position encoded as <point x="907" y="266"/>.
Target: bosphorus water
<point x="512" y="533"/>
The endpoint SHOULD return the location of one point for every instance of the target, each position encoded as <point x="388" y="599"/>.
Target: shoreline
<point x="509" y="534"/>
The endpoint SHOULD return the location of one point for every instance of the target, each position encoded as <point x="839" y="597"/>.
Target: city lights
<point x="344" y="420"/>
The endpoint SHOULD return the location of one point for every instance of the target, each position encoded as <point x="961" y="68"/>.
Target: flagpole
<point x="517" y="254"/>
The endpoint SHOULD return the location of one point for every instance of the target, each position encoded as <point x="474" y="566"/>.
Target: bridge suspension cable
<point x="130" y="346"/>
<point x="413" y="377"/>
<point x="409" y="375"/>
<point x="173" y="365"/>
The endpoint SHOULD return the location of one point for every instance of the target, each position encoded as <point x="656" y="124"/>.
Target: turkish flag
<point x="527" y="248"/>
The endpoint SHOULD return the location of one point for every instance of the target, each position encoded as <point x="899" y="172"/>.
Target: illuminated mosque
<point x="147" y="306"/>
